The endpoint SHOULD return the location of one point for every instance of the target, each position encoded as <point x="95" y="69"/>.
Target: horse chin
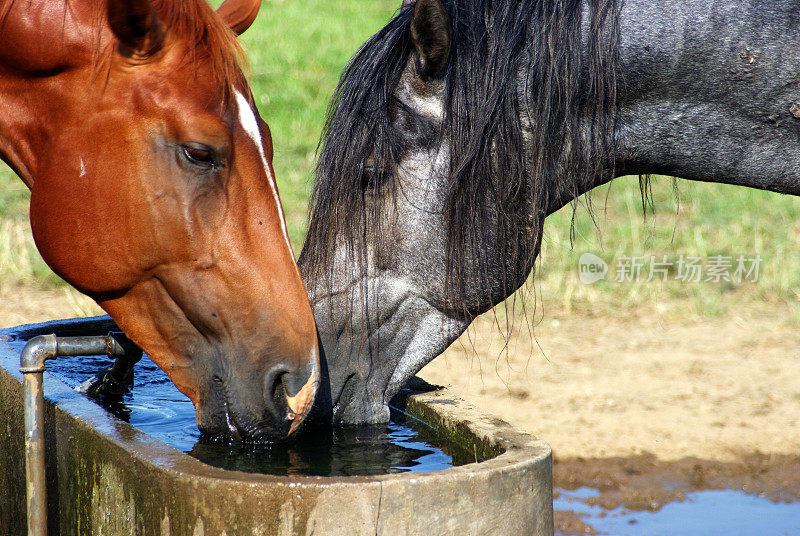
<point x="363" y="395"/>
<point x="356" y="406"/>
<point x="221" y="427"/>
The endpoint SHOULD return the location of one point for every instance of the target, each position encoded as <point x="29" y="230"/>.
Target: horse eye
<point x="199" y="155"/>
<point x="368" y="176"/>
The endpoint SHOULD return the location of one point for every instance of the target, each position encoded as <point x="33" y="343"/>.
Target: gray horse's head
<point x="434" y="178"/>
<point x="459" y="126"/>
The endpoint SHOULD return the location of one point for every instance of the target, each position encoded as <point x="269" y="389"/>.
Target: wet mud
<point x="643" y="483"/>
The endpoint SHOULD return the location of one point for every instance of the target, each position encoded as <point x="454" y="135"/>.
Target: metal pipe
<point x="32" y="361"/>
<point x="32" y="365"/>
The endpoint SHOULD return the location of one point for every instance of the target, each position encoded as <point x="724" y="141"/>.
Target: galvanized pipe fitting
<point x="32" y="365"/>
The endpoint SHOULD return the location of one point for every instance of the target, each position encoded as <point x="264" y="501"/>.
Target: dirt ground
<point x="646" y="407"/>
<point x="30" y="304"/>
<point x="619" y="386"/>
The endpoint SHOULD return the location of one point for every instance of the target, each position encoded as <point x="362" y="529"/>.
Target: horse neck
<point x="584" y="185"/>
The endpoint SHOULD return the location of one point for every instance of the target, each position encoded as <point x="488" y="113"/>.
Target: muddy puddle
<point x="758" y="495"/>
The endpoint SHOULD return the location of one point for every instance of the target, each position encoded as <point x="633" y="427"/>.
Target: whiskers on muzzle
<point x="239" y="408"/>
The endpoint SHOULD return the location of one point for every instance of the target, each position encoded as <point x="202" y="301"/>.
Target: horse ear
<point x="239" y="14"/>
<point x="430" y="32"/>
<point x="137" y="25"/>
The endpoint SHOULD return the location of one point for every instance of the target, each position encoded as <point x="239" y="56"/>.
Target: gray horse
<point x="462" y="124"/>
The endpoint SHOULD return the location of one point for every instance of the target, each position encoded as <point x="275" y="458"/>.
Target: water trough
<point x="107" y="477"/>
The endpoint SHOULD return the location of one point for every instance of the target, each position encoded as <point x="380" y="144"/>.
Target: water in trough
<point x="156" y="407"/>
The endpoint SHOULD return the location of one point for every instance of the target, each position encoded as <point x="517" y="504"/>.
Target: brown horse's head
<point x="153" y="192"/>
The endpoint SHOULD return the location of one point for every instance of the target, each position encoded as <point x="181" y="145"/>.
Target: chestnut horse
<point x="152" y="191"/>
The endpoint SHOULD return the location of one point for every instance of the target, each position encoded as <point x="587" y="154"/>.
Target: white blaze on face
<point x="248" y="121"/>
<point x="301" y="403"/>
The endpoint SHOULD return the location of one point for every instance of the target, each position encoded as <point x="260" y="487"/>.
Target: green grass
<point x="296" y="52"/>
<point x="702" y="220"/>
<point x="19" y="260"/>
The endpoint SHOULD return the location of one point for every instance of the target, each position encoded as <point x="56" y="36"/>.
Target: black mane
<point x="528" y="109"/>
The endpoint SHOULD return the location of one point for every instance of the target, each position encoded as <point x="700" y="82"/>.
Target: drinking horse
<point x="457" y="128"/>
<point x="152" y="191"/>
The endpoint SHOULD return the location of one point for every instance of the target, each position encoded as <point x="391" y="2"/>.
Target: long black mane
<point x="529" y="104"/>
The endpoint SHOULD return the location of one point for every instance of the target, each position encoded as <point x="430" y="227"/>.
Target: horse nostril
<point x="274" y="392"/>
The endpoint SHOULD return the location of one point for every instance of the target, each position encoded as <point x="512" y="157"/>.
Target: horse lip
<point x="300" y="404"/>
<point x="342" y="401"/>
<point x="231" y="427"/>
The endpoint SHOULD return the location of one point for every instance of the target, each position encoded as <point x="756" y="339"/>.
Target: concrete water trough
<point x="106" y="477"/>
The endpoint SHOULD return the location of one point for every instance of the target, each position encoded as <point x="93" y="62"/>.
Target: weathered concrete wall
<point x="107" y="478"/>
<point x="12" y="463"/>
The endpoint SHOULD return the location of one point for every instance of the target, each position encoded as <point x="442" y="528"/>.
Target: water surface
<point x="156" y="407"/>
<point x="703" y="513"/>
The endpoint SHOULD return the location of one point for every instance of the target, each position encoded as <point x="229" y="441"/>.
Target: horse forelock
<point x="357" y="128"/>
<point x="193" y="23"/>
<point x="208" y="38"/>
<point x="528" y="118"/>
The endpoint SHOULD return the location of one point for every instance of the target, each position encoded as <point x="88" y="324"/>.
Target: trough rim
<point x="520" y="449"/>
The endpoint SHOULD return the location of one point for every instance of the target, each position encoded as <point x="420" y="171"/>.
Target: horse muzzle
<point x="237" y="408"/>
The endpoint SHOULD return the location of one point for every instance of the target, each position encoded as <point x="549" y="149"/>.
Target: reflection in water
<point x="155" y="406"/>
<point x="340" y="451"/>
